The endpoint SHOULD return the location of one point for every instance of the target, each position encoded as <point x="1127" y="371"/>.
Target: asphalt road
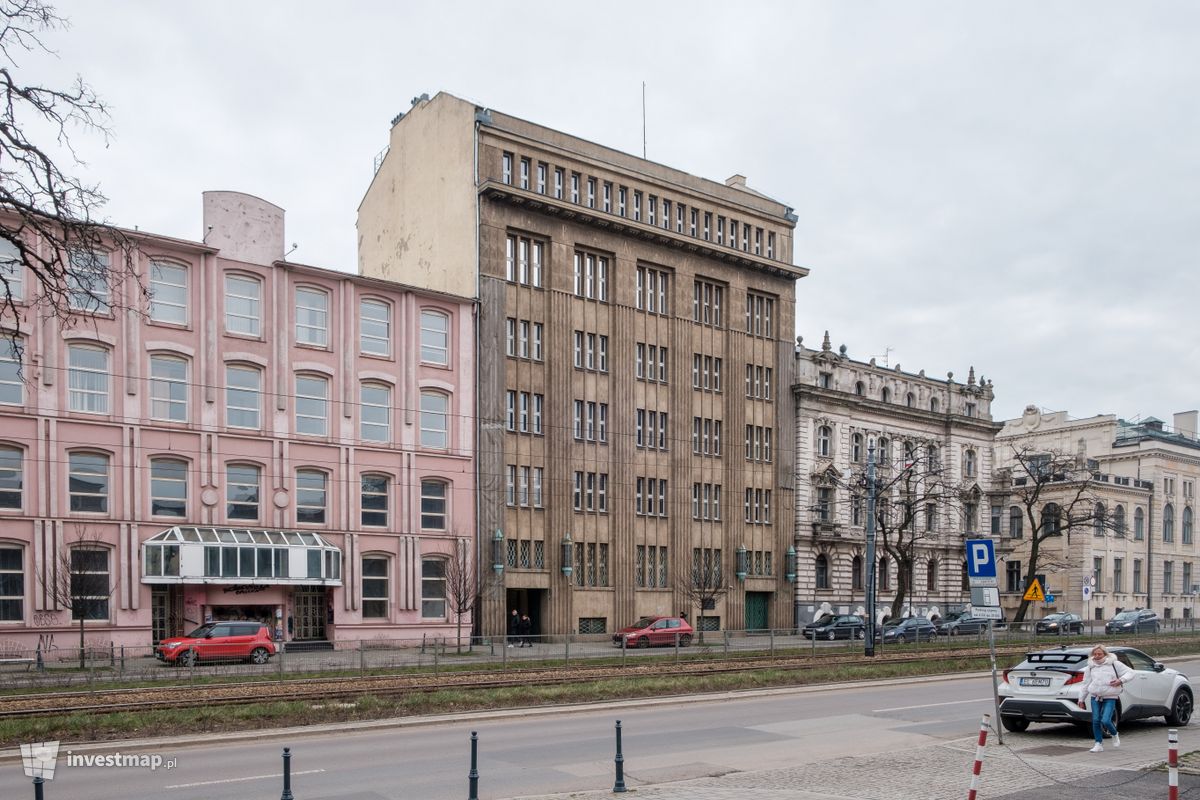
<point x="531" y="754"/>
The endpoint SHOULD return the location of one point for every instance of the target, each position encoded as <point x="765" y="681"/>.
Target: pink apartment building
<point x="268" y="441"/>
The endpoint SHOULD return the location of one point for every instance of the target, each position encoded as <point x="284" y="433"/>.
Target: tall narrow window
<point x="1168" y="523"/>
<point x="312" y="496"/>
<point x="435" y="429"/>
<point x="435" y="338"/>
<point x="433" y="505"/>
<point x="89" y="482"/>
<point x="312" y="317"/>
<point x="168" y="293"/>
<point x="821" y="570"/>
<point x="12" y="388"/>
<point x="312" y="405"/>
<point x="375" y="410"/>
<point x="243" y="397"/>
<point x="12" y="479"/>
<point x="87" y="282"/>
<point x="242" y="491"/>
<point x="433" y="588"/>
<point x="168" y="487"/>
<point x="90" y="587"/>
<point x="243" y="299"/>
<point x="168" y="388"/>
<point x="12" y="272"/>
<point x="374" y="500"/>
<point x="88" y="378"/>
<point x="374" y="327"/>
<point x="12" y="585"/>
<point x="374" y="587"/>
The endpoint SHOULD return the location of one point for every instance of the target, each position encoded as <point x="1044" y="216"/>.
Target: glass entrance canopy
<point x="186" y="554"/>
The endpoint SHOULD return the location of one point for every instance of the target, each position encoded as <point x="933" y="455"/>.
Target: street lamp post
<point x="869" y="634"/>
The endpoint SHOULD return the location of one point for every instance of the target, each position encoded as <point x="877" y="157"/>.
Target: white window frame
<point x="243" y="500"/>
<point x="249" y="290"/>
<point x="161" y="481"/>
<point x="232" y="390"/>
<point x="375" y="412"/>
<point x="435" y="337"/>
<point x="168" y="293"/>
<point x="12" y="387"/>
<point x="374" y="327"/>
<point x="312" y="316"/>
<point x="168" y="393"/>
<point x="88" y="385"/>
<point x="435" y="436"/>
<point x="312" y="423"/>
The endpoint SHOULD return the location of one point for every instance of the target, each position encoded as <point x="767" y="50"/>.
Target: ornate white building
<point x="931" y="428"/>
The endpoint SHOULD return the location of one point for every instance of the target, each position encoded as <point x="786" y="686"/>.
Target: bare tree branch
<point x="81" y="580"/>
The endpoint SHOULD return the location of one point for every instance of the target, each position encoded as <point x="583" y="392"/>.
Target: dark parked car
<point x="1138" y="620"/>
<point x="846" y="626"/>
<point x="967" y="624"/>
<point x="1060" y="623"/>
<point x="913" y="629"/>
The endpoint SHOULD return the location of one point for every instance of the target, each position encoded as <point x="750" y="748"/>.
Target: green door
<point x="756" y="610"/>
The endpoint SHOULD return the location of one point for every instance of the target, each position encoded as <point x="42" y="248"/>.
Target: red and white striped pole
<point x="983" y="732"/>
<point x="1173" y="764"/>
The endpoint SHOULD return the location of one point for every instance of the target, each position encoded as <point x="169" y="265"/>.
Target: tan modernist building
<point x="1136" y="489"/>
<point x="634" y="331"/>
<point x="931" y="438"/>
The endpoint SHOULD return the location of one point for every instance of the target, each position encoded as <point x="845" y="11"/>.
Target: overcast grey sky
<point x="1009" y="185"/>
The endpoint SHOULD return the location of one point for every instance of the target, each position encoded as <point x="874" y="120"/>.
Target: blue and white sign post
<point x="981" y="575"/>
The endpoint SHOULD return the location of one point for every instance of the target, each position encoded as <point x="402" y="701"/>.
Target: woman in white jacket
<point x="1103" y="679"/>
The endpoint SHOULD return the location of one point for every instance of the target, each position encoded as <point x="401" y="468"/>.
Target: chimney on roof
<point x="736" y="181"/>
<point x="1185" y="423"/>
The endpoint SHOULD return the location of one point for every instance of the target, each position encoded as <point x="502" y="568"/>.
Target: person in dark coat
<point x="514" y="622"/>
<point x="525" y="629"/>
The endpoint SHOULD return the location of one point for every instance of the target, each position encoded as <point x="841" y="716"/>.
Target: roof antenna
<point x="289" y="252"/>
<point x="886" y="351"/>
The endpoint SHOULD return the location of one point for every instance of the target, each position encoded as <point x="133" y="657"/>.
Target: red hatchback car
<point x="219" y="641"/>
<point x="654" y="631"/>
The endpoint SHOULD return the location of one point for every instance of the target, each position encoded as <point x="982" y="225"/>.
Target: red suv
<point x="219" y="641"/>
<point x="651" y="631"/>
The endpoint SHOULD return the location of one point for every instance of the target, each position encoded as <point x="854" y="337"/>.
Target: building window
<point x="312" y="405"/>
<point x="591" y="421"/>
<point x="575" y="181"/>
<point x="706" y="373"/>
<point x="374" y="500"/>
<point x="375" y="412"/>
<point x="433" y="505"/>
<point x="168" y="487"/>
<point x="12" y="271"/>
<point x="12" y="585"/>
<point x="435" y="338"/>
<point x="591" y="276"/>
<point x="1118" y="521"/>
<point x="591" y="492"/>
<point x="971" y="517"/>
<point x="758" y="382"/>
<point x="707" y="298"/>
<point x="997" y="520"/>
<point x="506" y="168"/>
<point x="1168" y="523"/>
<point x="435" y="425"/>
<point x="824" y="503"/>
<point x="969" y="463"/>
<point x="1012" y="576"/>
<point x="243" y="396"/>
<point x="650" y="429"/>
<point x="559" y="175"/>
<point x="524" y="259"/>
<point x="89" y="583"/>
<point x="1099" y="519"/>
<point x="168" y="293"/>
<point x="856" y="574"/>
<point x="1186" y="586"/>
<point x="374" y="587"/>
<point x="1016" y="523"/>
<point x="12" y="478"/>
<point x="650" y="363"/>
<point x="931" y="570"/>
<point x="758" y="443"/>
<point x="524" y="173"/>
<point x="856" y="448"/>
<point x="822" y="571"/>
<point x="650" y="497"/>
<point x="241" y="491"/>
<point x="885" y="395"/>
<point x="374" y="328"/>
<point x="825" y="441"/>
<point x="1187" y="525"/>
<point x="885" y="575"/>
<point x="542" y="172"/>
<point x="12" y="388"/>
<point x="1139" y="524"/>
<point x="760" y="314"/>
<point x="312" y="317"/>
<point x="312" y="496"/>
<point x="433" y="588"/>
<point x="1118" y="583"/>
<point x="1051" y="520"/>
<point x="1137" y="576"/>
<point x="243" y="298"/>
<point x="1168" y="577"/>
<point x="88" y="378"/>
<point x="607" y="197"/>
<point x="653" y="290"/>
<point x="859" y="389"/>
<point x="89" y="482"/>
<point x="168" y="388"/>
<point x="87" y="282"/>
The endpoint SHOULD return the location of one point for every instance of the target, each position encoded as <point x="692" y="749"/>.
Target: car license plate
<point x="1035" y="681"/>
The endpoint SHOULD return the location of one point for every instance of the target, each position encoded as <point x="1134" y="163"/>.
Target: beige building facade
<point x="1135" y="547"/>
<point x="938" y="431"/>
<point x="633" y="333"/>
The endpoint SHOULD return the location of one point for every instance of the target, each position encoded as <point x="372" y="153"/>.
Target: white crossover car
<point x="1045" y="687"/>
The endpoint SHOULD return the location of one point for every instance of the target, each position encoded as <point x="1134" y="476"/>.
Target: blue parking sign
<point x="981" y="558"/>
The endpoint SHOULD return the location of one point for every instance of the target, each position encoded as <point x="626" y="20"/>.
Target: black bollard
<point x="473" y="775"/>
<point x="287" y="775"/>
<point x="37" y="787"/>
<point x="619" y="785"/>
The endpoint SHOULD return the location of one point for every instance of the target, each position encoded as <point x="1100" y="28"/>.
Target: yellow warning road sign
<point x="1034" y="592"/>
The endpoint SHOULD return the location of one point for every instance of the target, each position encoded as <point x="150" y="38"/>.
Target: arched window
<point x="168" y="388"/>
<point x="931" y="570"/>
<point x="1051" y="520"/>
<point x="374" y="327"/>
<point x="933" y="404"/>
<point x="12" y="583"/>
<point x="312" y="316"/>
<point x="1187" y="525"/>
<point x="884" y="455"/>
<point x="168" y="487"/>
<point x="824" y="441"/>
<point x="1168" y="526"/>
<point x="1119" y="521"/>
<point x="89" y="482"/>
<point x="12" y="384"/>
<point x="243" y="396"/>
<point x="433" y="588"/>
<point x="856" y="448"/>
<point x="12" y="478"/>
<point x="374" y="500"/>
<point x="375" y="575"/>
<point x="375" y="411"/>
<point x="910" y="400"/>
<point x="885" y="575"/>
<point x="168" y="293"/>
<point x="433" y="505"/>
<point x="1099" y="519"/>
<point x="856" y="573"/>
<point x="242" y="482"/>
<point x="87" y="378"/>
<point x="885" y="395"/>
<point x="243" y="301"/>
<point x="970" y="463"/>
<point x="1016" y="522"/>
<point x="822" y="571"/>
<point x="435" y="427"/>
<point x="435" y="338"/>
<point x="1139" y="524"/>
<point x="965" y="585"/>
<point x="312" y="496"/>
<point x="859" y="388"/>
<point x="312" y="405"/>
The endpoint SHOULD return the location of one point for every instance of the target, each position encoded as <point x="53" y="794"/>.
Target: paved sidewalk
<point x="1050" y="763"/>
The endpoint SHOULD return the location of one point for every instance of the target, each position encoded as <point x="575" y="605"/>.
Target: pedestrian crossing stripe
<point x="1034" y="592"/>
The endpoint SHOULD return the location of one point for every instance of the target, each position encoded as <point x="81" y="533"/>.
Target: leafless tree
<point x="1057" y="497"/>
<point x="48" y="216"/>
<point x="464" y="585"/>
<point x="703" y="584"/>
<point x="82" y="580"/>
